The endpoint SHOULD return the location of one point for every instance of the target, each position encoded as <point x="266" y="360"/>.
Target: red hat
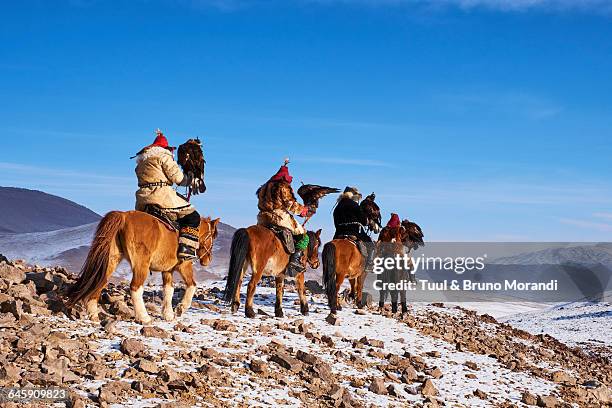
<point x="394" y="222"/>
<point x="161" y="141"/>
<point x="282" y="174"/>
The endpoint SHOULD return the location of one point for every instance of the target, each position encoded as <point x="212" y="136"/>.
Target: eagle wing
<point x="312" y="193"/>
<point x="191" y="158"/>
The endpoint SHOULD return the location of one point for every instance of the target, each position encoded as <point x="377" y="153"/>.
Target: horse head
<point x="208" y="233"/>
<point x="314" y="243"/>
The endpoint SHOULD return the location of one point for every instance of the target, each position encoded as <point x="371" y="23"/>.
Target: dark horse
<point x="259" y="248"/>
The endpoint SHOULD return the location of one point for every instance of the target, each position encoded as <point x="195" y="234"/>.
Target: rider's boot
<point x="296" y="266"/>
<point x="188" y="243"/>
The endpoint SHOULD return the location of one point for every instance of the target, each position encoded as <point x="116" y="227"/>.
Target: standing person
<point x="157" y="172"/>
<point x="277" y="205"/>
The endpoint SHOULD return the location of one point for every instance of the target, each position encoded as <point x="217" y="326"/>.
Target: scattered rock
<point x="377" y="386"/>
<point x="332" y="319"/>
<point x="152" y="331"/>
<point x="428" y="389"/>
<point x="547" y="401"/>
<point x="480" y="394"/>
<point x="258" y="366"/>
<point x="286" y="361"/>
<point x="528" y="398"/>
<point x="147" y="366"/>
<point x="132" y="347"/>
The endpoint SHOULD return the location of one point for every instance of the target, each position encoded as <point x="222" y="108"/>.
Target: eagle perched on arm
<point x="312" y="193"/>
<point x="413" y="235"/>
<point x="372" y="211"/>
<point x="191" y="158"/>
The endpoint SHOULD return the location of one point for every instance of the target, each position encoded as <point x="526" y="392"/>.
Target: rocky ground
<point x="436" y="355"/>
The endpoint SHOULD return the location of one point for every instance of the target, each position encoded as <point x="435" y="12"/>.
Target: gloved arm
<point x="187" y="180"/>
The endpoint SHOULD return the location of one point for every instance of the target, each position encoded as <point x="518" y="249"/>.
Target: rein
<point x="208" y="251"/>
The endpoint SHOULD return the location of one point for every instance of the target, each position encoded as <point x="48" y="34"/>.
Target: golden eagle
<point x="312" y="193"/>
<point x="372" y="212"/>
<point x="191" y="159"/>
<point x="413" y="235"/>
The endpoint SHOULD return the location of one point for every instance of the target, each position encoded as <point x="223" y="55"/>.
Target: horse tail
<point x="239" y="250"/>
<point x="329" y="274"/>
<point x="93" y="276"/>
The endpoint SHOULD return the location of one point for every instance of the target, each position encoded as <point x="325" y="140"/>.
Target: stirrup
<point x="186" y="253"/>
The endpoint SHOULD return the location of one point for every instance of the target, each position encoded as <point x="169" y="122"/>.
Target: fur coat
<point x="277" y="203"/>
<point x="154" y="165"/>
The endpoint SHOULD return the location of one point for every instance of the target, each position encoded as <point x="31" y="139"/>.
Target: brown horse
<point x="342" y="259"/>
<point x="259" y="248"/>
<point x="147" y="244"/>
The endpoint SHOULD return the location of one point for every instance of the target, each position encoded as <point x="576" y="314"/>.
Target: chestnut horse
<point x="259" y="248"/>
<point x="147" y="244"/>
<point x="342" y="259"/>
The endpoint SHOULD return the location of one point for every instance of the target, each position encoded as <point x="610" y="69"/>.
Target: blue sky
<point x="478" y="119"/>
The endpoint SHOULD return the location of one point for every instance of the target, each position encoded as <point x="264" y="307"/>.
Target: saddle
<point x="361" y="246"/>
<point x="166" y="217"/>
<point x="285" y="236"/>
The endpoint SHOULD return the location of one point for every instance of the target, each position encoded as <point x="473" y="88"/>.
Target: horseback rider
<point x="157" y="172"/>
<point x="277" y="204"/>
<point x="350" y="221"/>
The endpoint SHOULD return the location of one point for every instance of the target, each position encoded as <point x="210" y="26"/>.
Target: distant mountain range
<point x="41" y="232"/>
<point x="587" y="255"/>
<point x="24" y="210"/>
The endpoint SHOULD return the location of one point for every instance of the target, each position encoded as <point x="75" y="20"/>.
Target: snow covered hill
<point x="68" y="248"/>
<point x="23" y="210"/>
<point x="581" y="255"/>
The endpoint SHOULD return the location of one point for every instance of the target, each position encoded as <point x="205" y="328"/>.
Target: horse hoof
<point x="279" y="313"/>
<point x="404" y="309"/>
<point x="235" y="307"/>
<point x="146" y="321"/>
<point x="394" y="308"/>
<point x="168" y="317"/>
<point x="304" y="309"/>
<point x="249" y="312"/>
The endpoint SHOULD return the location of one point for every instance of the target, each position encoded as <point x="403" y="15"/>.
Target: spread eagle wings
<point x="414" y="234"/>
<point x="312" y="193"/>
<point x="191" y="158"/>
<point x="372" y="211"/>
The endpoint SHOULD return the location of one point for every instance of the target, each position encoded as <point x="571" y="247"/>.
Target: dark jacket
<point x="349" y="220"/>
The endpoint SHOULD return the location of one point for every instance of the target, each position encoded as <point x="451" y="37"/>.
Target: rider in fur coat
<point x="157" y="172"/>
<point x="277" y="204"/>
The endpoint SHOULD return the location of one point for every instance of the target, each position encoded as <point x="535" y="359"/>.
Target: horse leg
<point x="394" y="293"/>
<point x="136" y="290"/>
<point x="280" y="286"/>
<point x="339" y="280"/>
<point x="383" y="290"/>
<point x="359" y="296"/>
<point x="302" y="294"/>
<point x="248" y="306"/>
<point x="236" y="302"/>
<point x="353" y="288"/>
<point x="186" y="271"/>
<point x="167" y="312"/>
<point x="92" y="303"/>
<point x="403" y="299"/>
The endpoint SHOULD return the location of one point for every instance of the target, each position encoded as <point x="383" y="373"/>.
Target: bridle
<point x="203" y="242"/>
<point x="312" y="249"/>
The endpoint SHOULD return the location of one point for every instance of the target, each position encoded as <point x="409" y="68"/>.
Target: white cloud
<point x="599" y="226"/>
<point x="604" y="6"/>
<point x="605" y="215"/>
